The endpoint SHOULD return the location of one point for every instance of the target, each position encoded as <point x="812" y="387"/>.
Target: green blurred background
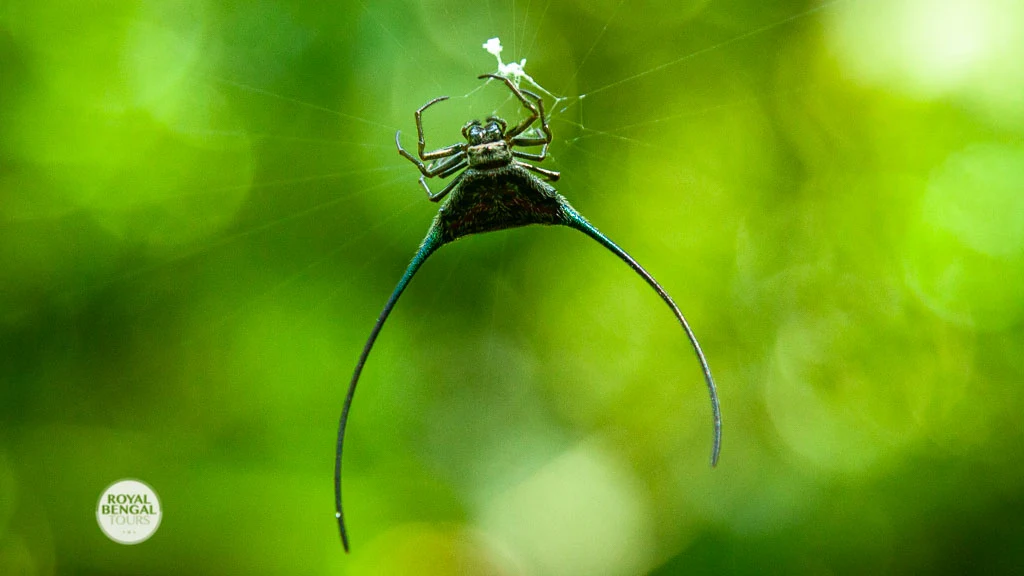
<point x="202" y="213"/>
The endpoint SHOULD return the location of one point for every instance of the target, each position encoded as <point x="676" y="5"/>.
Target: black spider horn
<point x="573" y="219"/>
<point x="431" y="243"/>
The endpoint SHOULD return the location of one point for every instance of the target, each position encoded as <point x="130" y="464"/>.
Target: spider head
<point x="490" y="130"/>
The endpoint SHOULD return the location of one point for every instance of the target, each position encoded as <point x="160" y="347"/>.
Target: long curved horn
<point x="573" y="219"/>
<point x="431" y="243"/>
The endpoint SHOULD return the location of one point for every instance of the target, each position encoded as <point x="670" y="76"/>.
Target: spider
<point x="488" y="145"/>
<point x="494" y="191"/>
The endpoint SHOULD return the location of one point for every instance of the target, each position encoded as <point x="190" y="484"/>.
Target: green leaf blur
<point x="202" y="212"/>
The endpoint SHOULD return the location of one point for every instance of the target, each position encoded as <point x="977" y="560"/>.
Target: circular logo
<point x="128" y="511"/>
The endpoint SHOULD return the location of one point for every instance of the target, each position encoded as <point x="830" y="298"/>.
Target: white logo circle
<point x="128" y="511"/>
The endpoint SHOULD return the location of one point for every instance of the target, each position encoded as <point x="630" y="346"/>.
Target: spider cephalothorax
<point x="493" y="190"/>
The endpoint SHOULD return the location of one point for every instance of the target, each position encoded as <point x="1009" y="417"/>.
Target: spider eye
<point x="471" y="129"/>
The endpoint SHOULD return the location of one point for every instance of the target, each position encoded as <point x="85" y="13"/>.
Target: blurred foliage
<point x="202" y="212"/>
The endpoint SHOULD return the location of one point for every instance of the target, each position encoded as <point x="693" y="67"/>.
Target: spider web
<point x="598" y="71"/>
<point x="586" y="134"/>
<point x="599" y="118"/>
<point x="523" y="26"/>
<point x="326" y="214"/>
<point x="649" y="170"/>
<point x="239" y="282"/>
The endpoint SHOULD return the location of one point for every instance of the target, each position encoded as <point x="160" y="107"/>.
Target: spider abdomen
<point x="498" y="198"/>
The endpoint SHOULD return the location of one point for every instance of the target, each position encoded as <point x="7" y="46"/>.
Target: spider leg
<point x="451" y="185"/>
<point x="443" y="168"/>
<point x="431" y="243"/>
<point x="444" y="191"/>
<point x="452" y="167"/>
<point x="543" y="124"/>
<point x="535" y="157"/>
<point x="421" y="143"/>
<point x="535" y="141"/>
<point x="432" y="170"/>
<point x="549" y="174"/>
<point x="534" y="113"/>
<point x="531" y="141"/>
